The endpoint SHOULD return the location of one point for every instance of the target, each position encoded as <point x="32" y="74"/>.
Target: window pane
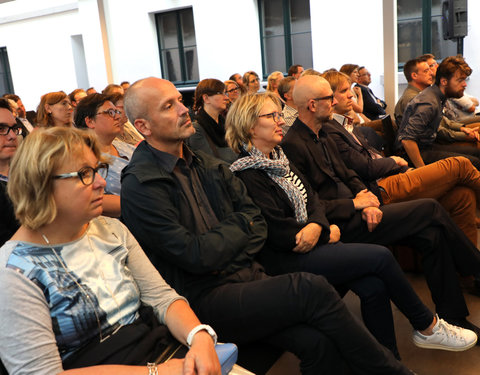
<point x="409" y="9"/>
<point x="437" y="7"/>
<point x="168" y="33"/>
<point x="300" y="16"/>
<point x="273" y="17"/>
<point x="6" y="84"/>
<point x="302" y="49"/>
<point x="409" y="40"/>
<point x="188" y="27"/>
<point x="191" y="63"/>
<point x="275" y="54"/>
<point x="171" y="64"/>
<point x="441" y="48"/>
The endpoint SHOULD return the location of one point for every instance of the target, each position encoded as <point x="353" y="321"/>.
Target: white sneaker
<point x="447" y="337"/>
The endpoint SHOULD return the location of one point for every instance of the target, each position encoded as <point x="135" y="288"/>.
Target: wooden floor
<point x="422" y="361"/>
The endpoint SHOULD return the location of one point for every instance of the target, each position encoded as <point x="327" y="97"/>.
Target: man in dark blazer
<point x="450" y="180"/>
<point x="423" y="224"/>
<point x="373" y="107"/>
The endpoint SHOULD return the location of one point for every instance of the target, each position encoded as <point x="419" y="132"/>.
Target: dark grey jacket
<point x="191" y="263"/>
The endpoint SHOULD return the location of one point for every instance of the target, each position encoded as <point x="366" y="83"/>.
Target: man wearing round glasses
<point x="9" y="130"/>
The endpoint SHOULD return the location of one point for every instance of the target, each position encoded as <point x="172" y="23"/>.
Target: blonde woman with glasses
<point x="79" y="296"/>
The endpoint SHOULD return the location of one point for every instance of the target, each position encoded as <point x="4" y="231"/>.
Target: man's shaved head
<point x="309" y="87"/>
<point x="137" y="94"/>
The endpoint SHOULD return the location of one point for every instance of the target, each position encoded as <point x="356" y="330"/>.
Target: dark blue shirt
<point x="422" y="118"/>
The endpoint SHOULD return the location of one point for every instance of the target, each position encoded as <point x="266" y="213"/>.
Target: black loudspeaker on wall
<point x="454" y="15"/>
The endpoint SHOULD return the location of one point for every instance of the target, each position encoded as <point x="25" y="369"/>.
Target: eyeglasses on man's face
<point x="110" y="112"/>
<point x="329" y="97"/>
<point x="275" y="115"/>
<point x="5" y="129"/>
<point x="86" y="174"/>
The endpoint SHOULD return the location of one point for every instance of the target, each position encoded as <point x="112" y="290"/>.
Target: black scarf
<point x="215" y="131"/>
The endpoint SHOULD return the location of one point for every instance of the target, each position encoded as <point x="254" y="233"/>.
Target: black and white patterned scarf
<point x="277" y="169"/>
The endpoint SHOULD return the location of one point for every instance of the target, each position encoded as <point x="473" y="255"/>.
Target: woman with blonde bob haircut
<point x="241" y="119"/>
<point x="79" y="295"/>
<point x="34" y="201"/>
<point x="300" y="237"/>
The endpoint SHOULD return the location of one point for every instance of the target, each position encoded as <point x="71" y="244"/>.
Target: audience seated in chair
<point x="111" y="314"/>
<point x="351" y="70"/>
<point x="9" y="131"/>
<point x="420" y="76"/>
<point x="373" y="107"/>
<point x="423" y="223"/>
<point x="197" y="224"/>
<point x="290" y="113"/>
<point x="300" y="237"/>
<point x="210" y="104"/>
<point x="452" y="181"/>
<point x="21" y="112"/>
<point x="76" y="96"/>
<point x="295" y="71"/>
<point x="128" y="134"/>
<point x="55" y="109"/>
<point x="251" y="82"/>
<point x="98" y="114"/>
<point x="417" y="133"/>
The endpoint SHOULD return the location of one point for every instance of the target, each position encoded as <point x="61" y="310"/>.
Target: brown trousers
<point x="453" y="181"/>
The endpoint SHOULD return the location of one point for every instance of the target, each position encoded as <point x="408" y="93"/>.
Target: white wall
<point x="471" y="50"/>
<point x="39" y="50"/>
<point x="225" y="45"/>
<point x="341" y="35"/>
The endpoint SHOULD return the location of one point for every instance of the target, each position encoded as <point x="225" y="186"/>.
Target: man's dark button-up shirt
<point x="422" y="118"/>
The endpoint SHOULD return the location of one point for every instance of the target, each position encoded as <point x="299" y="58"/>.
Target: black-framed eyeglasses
<point x="111" y="112"/>
<point x="86" y="174"/>
<point x="231" y="90"/>
<point x="275" y="115"/>
<point x="329" y="97"/>
<point x="4" y="129"/>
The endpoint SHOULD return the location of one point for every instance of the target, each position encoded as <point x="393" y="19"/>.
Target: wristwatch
<point x="152" y="368"/>
<point x="201" y="327"/>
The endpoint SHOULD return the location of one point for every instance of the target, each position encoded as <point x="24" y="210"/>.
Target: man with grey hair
<point x="198" y="226"/>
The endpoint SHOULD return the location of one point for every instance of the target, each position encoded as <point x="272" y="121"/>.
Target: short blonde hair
<point x="274" y="76"/>
<point x="41" y="154"/>
<point x="242" y="116"/>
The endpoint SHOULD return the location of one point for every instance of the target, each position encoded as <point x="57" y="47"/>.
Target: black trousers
<point x="439" y="151"/>
<point x="371" y="272"/>
<point x="424" y="225"/>
<point x="298" y="312"/>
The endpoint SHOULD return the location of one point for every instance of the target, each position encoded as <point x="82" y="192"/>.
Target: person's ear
<point x="143" y="126"/>
<point x="90" y="122"/>
<point x="205" y="98"/>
